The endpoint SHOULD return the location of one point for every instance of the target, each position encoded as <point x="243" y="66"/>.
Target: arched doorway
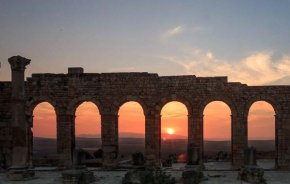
<point x="261" y="133"/>
<point x="131" y="130"/>
<point x="217" y="134"/>
<point x="174" y="131"/>
<point x="44" y="148"/>
<point x="88" y="133"/>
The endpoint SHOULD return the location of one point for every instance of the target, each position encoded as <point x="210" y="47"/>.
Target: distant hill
<point x="48" y="145"/>
<point x="133" y="135"/>
<point x="123" y="134"/>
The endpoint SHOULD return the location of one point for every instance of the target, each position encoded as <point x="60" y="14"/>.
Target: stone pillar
<point x="193" y="148"/>
<point x="239" y="139"/>
<point x="19" y="124"/>
<point x="282" y="138"/>
<point x="190" y="129"/>
<point x="195" y="138"/>
<point x="30" y="139"/>
<point x="65" y="138"/>
<point x="110" y="139"/>
<point x="152" y="138"/>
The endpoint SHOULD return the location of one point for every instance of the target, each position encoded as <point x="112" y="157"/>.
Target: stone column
<point x="65" y="138"/>
<point x="195" y="138"/>
<point x="282" y="138"/>
<point x="19" y="124"/>
<point x="110" y="139"/>
<point x="239" y="139"/>
<point x="152" y="138"/>
<point x="194" y="146"/>
<point x="190" y="129"/>
<point x="30" y="139"/>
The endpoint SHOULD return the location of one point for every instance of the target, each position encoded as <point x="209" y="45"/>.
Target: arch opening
<point x="44" y="135"/>
<point x="217" y="133"/>
<point x="131" y="130"/>
<point x="261" y="133"/>
<point x="174" y="131"/>
<point x="87" y="133"/>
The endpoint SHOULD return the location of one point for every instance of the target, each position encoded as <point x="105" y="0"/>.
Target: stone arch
<point x="204" y="102"/>
<point x="73" y="105"/>
<point x="277" y="141"/>
<point x="162" y="142"/>
<point x="129" y="98"/>
<point x="130" y="123"/>
<point x="270" y="100"/>
<point x="86" y="122"/>
<point x="174" y="97"/>
<point x="226" y="131"/>
<point x="30" y="105"/>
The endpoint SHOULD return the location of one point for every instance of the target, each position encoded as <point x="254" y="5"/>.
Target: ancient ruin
<point x="109" y="91"/>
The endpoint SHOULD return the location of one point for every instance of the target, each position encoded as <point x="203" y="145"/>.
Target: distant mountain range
<point x="142" y="136"/>
<point x="123" y="134"/>
<point x="133" y="135"/>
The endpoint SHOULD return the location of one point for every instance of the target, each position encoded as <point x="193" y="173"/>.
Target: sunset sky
<point x="217" y="121"/>
<point x="246" y="40"/>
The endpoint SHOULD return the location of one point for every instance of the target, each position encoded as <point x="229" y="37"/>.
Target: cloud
<point x="173" y="31"/>
<point x="255" y="69"/>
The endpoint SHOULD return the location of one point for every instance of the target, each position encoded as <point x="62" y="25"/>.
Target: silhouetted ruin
<point x="109" y="91"/>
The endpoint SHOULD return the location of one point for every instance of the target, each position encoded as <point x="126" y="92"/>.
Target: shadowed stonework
<point x="110" y="90"/>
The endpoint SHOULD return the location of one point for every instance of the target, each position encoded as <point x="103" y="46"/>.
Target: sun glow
<point x="170" y="131"/>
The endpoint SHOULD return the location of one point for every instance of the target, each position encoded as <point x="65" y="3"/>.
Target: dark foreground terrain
<point x="115" y="177"/>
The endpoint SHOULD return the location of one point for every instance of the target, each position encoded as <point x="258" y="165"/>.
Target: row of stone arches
<point x="162" y="128"/>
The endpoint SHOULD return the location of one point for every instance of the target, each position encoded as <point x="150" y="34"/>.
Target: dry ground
<point x="115" y="177"/>
<point x="223" y="176"/>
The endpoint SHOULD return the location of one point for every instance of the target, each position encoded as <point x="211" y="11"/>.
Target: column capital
<point x="18" y="63"/>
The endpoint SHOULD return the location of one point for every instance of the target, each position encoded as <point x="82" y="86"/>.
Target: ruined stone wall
<point x="110" y="90"/>
<point x="5" y="119"/>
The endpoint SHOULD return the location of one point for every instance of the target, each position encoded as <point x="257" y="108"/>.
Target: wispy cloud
<point x="255" y="69"/>
<point x="173" y="31"/>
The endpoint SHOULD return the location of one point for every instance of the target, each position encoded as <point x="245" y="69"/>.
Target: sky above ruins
<point x="246" y="40"/>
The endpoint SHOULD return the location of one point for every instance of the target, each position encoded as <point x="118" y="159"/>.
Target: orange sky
<point x="217" y="124"/>
<point x="174" y="116"/>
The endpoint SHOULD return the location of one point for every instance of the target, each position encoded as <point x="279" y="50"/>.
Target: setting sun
<point x="170" y="131"/>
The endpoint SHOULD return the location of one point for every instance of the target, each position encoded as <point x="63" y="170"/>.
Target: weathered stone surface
<point x="77" y="175"/>
<point x="131" y="177"/>
<point x="75" y="70"/>
<point x="19" y="126"/>
<point x="193" y="155"/>
<point x="98" y="153"/>
<point x="80" y="156"/>
<point x="20" y="173"/>
<point x="252" y="174"/>
<point x="250" y="156"/>
<point x="138" y="159"/>
<point x="221" y="156"/>
<point x="147" y="176"/>
<point x="192" y="175"/>
<point x="167" y="162"/>
<point x="110" y="90"/>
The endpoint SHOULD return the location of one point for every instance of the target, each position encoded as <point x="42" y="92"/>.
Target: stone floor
<point x="223" y="175"/>
<point x="115" y="177"/>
